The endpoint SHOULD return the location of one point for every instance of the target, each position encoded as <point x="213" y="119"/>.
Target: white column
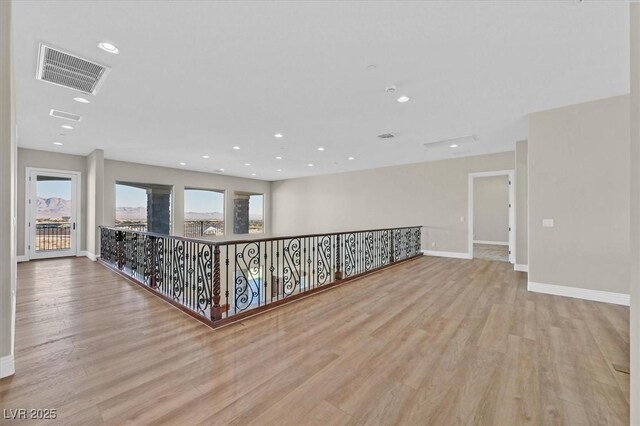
<point x="8" y="223"/>
<point x="95" y="201"/>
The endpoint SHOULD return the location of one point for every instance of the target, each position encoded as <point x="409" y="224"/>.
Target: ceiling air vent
<point x="460" y="141"/>
<point x="66" y="115"/>
<point x="67" y="70"/>
<point x="386" y="136"/>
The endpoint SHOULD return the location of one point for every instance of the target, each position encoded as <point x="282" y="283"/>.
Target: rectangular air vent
<point x="67" y="70"/>
<point x="386" y="136"/>
<point x="460" y="141"/>
<point x="66" y="115"/>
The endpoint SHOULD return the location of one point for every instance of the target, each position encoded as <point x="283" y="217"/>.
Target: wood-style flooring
<point x="433" y="341"/>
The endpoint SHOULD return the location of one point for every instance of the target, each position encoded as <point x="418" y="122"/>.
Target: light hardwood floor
<point x="432" y="341"/>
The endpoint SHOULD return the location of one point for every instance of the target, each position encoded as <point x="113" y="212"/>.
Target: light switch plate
<point x="547" y="223"/>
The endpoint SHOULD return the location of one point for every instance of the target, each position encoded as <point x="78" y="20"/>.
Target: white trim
<point x="452" y="254"/>
<point x="495" y="243"/>
<point x="512" y="210"/>
<point x="7" y="366"/>
<point x="21" y="259"/>
<point x="28" y="208"/>
<point x="521" y="268"/>
<point x="88" y="254"/>
<point x="580" y="293"/>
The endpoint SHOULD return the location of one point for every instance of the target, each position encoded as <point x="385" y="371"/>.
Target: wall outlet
<point x="461" y="218"/>
<point x="547" y="223"/>
<point x="433" y="245"/>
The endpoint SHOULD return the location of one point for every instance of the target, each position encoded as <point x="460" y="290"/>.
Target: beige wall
<point x="635" y="215"/>
<point x="579" y="177"/>
<point x="432" y="194"/>
<point x="7" y="197"/>
<point x="491" y="209"/>
<point x="115" y="171"/>
<point x="522" y="202"/>
<point x="57" y="161"/>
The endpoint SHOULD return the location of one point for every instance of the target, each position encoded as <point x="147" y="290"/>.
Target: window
<point x="248" y="213"/>
<point x="143" y="207"/>
<point x="131" y="207"/>
<point x="203" y="213"/>
<point x="256" y="215"/>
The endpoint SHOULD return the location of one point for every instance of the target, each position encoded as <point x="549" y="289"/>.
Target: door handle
<point x="74" y="226"/>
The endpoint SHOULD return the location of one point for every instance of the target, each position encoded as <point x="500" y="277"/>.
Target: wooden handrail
<point x="256" y="240"/>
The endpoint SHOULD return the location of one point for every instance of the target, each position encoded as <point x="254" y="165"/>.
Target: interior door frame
<point x="512" y="210"/>
<point x="27" y="206"/>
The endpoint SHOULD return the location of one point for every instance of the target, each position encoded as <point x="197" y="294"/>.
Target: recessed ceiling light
<point x="351" y="158"/>
<point x="222" y="170"/>
<point x="183" y="164"/>
<point x="371" y="67"/>
<point x="253" y="174"/>
<point x="310" y="164"/>
<point x="278" y="135"/>
<point x="278" y="158"/>
<point x="66" y="126"/>
<point x="108" y="47"/>
<point x="82" y="100"/>
<point x="205" y="156"/>
<point x="236" y="147"/>
<point x="247" y="164"/>
<point x="320" y="148"/>
<point x="58" y="143"/>
<point x="403" y="99"/>
<point x="455" y="145"/>
<point x="279" y="170"/>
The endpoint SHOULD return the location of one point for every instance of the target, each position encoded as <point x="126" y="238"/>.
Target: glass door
<point x="53" y="214"/>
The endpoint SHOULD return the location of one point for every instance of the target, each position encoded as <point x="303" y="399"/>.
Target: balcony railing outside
<point x="203" y="228"/>
<point x="53" y="236"/>
<point x="219" y="282"/>
<point x="132" y="226"/>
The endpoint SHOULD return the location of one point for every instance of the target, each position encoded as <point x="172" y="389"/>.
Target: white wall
<point x="491" y="209"/>
<point x="635" y="214"/>
<point x="522" y="203"/>
<point x="579" y="177"/>
<point x="433" y="194"/>
<point x="7" y="197"/>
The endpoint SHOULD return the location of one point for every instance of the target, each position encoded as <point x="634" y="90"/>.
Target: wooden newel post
<point x="120" y="248"/>
<point x="338" y="275"/>
<point x="392" y="252"/>
<point x="216" y="311"/>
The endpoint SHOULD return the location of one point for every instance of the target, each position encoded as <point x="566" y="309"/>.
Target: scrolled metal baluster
<point x="216" y="310"/>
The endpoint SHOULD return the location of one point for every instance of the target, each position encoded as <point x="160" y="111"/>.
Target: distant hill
<point x="131" y="213"/>
<point x="53" y="208"/>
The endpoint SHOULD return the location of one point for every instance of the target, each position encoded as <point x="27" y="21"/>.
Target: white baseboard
<point x="7" y="366"/>
<point x="580" y="293"/>
<point x="453" y="254"/>
<point x="495" y="243"/>
<point x="521" y="268"/>
<point x="21" y="258"/>
<point x="88" y="254"/>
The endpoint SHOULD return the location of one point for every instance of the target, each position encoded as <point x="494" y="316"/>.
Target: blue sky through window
<point x="54" y="188"/>
<point x="202" y="201"/>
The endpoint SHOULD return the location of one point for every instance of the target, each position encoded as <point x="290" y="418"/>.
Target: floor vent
<point x="67" y="70"/>
<point x="66" y="115"/>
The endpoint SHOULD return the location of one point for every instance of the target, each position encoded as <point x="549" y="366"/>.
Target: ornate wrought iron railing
<point x="219" y="282"/>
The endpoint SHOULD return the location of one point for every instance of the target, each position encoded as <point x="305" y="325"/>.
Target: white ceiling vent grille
<point x="67" y="70"/>
<point x="461" y="141"/>
<point x="66" y="115"/>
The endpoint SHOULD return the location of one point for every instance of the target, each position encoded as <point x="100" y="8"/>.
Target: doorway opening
<point x="492" y="216"/>
<point x="52" y="213"/>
